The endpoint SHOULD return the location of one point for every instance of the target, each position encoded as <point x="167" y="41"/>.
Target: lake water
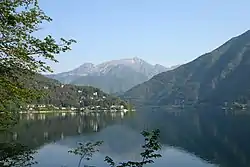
<point x="189" y="138"/>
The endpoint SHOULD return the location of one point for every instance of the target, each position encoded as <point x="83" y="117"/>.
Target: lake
<point x="189" y="138"/>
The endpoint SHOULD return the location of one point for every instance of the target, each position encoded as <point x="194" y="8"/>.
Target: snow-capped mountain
<point x="112" y="76"/>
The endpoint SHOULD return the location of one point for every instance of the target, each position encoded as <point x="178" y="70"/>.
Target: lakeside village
<point x="42" y="108"/>
<point x="48" y="108"/>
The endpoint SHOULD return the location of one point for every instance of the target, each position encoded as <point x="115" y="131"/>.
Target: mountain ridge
<point x="111" y="76"/>
<point x="215" y="77"/>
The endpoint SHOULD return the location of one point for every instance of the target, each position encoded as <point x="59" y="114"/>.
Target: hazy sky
<point x="158" y="31"/>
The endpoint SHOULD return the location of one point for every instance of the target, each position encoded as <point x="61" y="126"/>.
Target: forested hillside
<point x="66" y="95"/>
<point x="216" y="77"/>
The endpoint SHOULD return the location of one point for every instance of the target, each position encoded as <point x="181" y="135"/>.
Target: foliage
<point x="6" y="120"/>
<point x="151" y="146"/>
<point x="13" y="154"/>
<point x="86" y="151"/>
<point x="66" y="95"/>
<point x="22" y="54"/>
<point x="150" y="149"/>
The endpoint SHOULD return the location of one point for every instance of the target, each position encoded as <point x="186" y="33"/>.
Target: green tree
<point x="14" y="154"/>
<point x="150" y="151"/>
<point x="86" y="151"/>
<point x="22" y="53"/>
<point x="22" y="56"/>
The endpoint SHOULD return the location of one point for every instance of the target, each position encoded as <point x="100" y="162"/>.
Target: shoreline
<point x="73" y="111"/>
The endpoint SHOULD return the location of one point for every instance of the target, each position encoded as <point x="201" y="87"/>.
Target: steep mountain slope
<point x="112" y="76"/>
<point x="215" y="77"/>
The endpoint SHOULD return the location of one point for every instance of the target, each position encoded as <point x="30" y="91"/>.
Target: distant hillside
<point x="216" y="77"/>
<point x="112" y="76"/>
<point x="66" y="95"/>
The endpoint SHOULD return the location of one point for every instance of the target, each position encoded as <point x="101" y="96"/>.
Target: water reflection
<point x="194" y="137"/>
<point x="35" y="130"/>
<point x="216" y="136"/>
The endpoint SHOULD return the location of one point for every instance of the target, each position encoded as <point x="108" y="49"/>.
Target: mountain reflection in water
<point x="189" y="137"/>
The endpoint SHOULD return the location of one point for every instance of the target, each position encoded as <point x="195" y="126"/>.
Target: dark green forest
<point x="67" y="95"/>
<point x="214" y="78"/>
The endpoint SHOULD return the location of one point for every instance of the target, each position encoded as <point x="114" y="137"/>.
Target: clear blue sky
<point x="158" y="31"/>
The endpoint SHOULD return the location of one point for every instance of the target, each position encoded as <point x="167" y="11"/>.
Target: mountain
<point x="66" y="95"/>
<point x="216" y="77"/>
<point x="112" y="76"/>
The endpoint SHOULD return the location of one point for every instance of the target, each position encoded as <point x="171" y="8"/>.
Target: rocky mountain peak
<point x="111" y="76"/>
